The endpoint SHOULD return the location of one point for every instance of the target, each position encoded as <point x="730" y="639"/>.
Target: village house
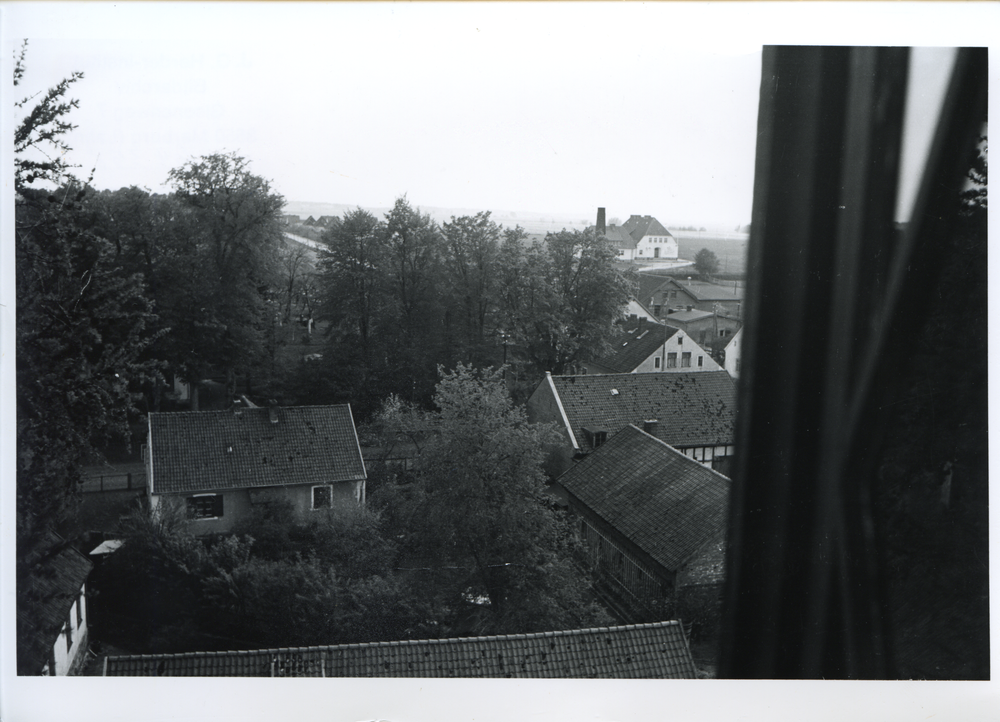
<point x="652" y="240"/>
<point x="652" y="520"/>
<point x="703" y="326"/>
<point x="677" y="294"/>
<point x="693" y="411"/>
<point x="647" y="347"/>
<point x="220" y="464"/>
<point x="640" y="239"/>
<point x="59" y="619"/>
<point x="645" y="651"/>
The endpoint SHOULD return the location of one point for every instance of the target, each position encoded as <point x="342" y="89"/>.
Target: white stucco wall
<point x="679" y="343"/>
<point x="646" y="248"/>
<point x="733" y="354"/>
<point x="64" y="657"/>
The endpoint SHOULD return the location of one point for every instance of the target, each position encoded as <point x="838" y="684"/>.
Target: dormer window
<point x="596" y="437"/>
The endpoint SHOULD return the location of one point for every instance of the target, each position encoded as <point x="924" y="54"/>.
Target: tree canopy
<point x="706" y="263"/>
<point x="477" y="514"/>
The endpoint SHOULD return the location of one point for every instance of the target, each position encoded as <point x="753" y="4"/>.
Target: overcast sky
<point x="502" y="107"/>
<point x="551" y="108"/>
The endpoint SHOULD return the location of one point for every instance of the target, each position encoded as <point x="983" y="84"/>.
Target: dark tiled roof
<point x="692" y="408"/>
<point x="646" y="651"/>
<point x="619" y="237"/>
<point x="307" y="445"/>
<point x="635" y="344"/>
<point x="59" y="573"/>
<point x="707" y="565"/>
<point x="649" y="284"/>
<point x="640" y="226"/>
<point x="667" y="504"/>
<point x="704" y="291"/>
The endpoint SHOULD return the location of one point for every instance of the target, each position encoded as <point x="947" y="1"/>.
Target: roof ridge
<point x="402" y="642"/>
<point x="244" y="409"/>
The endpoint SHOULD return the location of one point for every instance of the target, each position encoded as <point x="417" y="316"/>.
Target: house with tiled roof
<point x="646" y="347"/>
<point x="221" y="464"/>
<point x="706" y="327"/>
<point x="683" y="294"/>
<point x="652" y="240"/>
<point x="640" y="238"/>
<point x="651" y="518"/>
<point x="645" y="651"/>
<point x="52" y="630"/>
<point x="692" y="411"/>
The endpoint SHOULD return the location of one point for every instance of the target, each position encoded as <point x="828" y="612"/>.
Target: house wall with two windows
<point x="218" y="511"/>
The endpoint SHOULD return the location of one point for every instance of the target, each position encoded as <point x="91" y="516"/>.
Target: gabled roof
<point x="59" y="572"/>
<point x="645" y="651"/>
<point x="692" y="408"/>
<point x="650" y="284"/>
<point x="705" y="291"/>
<point x="636" y="343"/>
<point x="664" y="502"/>
<point x="640" y="226"/>
<point x="241" y="448"/>
<point x="620" y="237"/>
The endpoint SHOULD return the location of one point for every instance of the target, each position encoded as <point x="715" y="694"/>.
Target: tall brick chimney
<point x="601" y="226"/>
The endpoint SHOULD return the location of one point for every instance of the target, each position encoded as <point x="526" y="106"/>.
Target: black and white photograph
<point x="490" y="361"/>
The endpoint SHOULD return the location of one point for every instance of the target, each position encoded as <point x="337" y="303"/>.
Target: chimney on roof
<point x="601" y="227"/>
<point x="272" y="411"/>
<point x="642" y="322"/>
<point x="649" y="426"/>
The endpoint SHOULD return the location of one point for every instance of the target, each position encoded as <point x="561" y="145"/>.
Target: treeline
<point x="403" y="295"/>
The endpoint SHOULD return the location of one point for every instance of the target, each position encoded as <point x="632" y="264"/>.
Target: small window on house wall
<point x="680" y="340"/>
<point x="701" y="361"/>
<point x="656" y="310"/>
<point x="686" y="359"/>
<point x="671" y="360"/>
<point x="204" y="506"/>
<point x="322" y="497"/>
<point x="656" y="363"/>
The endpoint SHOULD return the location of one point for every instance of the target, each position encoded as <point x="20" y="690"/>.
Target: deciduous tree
<point x="479" y="513"/>
<point x="706" y="263"/>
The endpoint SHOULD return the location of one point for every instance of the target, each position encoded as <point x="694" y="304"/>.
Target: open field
<point x="730" y="248"/>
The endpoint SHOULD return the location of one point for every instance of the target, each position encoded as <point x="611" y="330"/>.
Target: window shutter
<point x="217" y="505"/>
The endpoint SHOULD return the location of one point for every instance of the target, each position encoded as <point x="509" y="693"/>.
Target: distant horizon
<point x="570" y="218"/>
